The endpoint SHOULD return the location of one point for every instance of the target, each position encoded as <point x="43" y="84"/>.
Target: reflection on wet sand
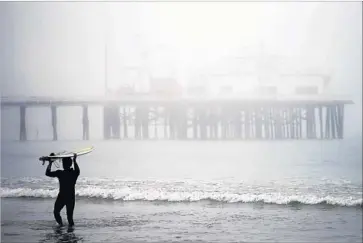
<point x="61" y="234"/>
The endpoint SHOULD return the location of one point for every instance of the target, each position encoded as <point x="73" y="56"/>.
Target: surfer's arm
<point x="76" y="167"/>
<point x="50" y="173"/>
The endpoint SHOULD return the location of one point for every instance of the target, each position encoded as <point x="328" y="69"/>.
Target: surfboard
<point x="68" y="154"/>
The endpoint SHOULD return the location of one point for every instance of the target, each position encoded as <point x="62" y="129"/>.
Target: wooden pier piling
<point x="327" y="124"/>
<point x="222" y="120"/>
<point x="23" y="133"/>
<point x="54" y="122"/>
<point x="85" y="123"/>
<point x="321" y="129"/>
<point x="125" y="120"/>
<point x="106" y="123"/>
<point x="340" y="111"/>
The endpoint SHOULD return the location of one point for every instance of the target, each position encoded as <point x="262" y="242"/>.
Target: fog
<point x="60" y="48"/>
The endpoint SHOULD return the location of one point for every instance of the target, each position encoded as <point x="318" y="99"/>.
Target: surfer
<point x="66" y="196"/>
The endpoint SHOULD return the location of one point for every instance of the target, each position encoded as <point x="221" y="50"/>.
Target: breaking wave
<point x="153" y="195"/>
<point x="323" y="192"/>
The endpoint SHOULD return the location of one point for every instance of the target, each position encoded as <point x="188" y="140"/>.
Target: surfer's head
<point x="52" y="154"/>
<point x="67" y="163"/>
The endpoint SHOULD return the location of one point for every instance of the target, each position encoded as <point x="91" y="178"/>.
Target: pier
<point x="219" y="118"/>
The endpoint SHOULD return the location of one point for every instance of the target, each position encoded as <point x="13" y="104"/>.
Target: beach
<point x="188" y="191"/>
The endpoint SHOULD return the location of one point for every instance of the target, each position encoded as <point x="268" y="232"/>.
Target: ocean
<point x="188" y="191"/>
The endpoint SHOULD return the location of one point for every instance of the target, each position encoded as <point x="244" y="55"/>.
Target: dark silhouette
<point x="67" y="180"/>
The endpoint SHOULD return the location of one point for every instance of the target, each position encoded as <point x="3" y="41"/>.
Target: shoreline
<point x="32" y="221"/>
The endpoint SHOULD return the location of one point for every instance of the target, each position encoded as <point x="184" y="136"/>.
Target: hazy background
<point x="58" y="49"/>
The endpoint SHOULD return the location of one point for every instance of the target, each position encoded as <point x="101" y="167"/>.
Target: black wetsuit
<point x="66" y="196"/>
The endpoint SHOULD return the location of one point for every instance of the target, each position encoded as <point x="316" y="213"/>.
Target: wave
<point x="154" y="195"/>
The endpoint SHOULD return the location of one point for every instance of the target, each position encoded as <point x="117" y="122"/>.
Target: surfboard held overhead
<point x="68" y="154"/>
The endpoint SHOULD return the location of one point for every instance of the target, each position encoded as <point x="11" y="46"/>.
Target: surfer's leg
<point x="70" y="208"/>
<point x="59" y="204"/>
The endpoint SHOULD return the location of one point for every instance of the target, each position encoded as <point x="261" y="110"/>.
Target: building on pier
<point x="290" y="104"/>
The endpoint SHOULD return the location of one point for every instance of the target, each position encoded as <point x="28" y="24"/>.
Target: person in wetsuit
<point x="66" y="196"/>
